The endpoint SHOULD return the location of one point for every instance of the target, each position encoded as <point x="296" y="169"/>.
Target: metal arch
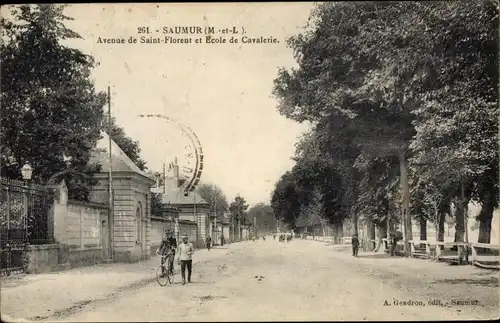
<point x="52" y="178"/>
<point x="194" y="141"/>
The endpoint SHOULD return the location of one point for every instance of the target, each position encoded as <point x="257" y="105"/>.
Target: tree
<point x="324" y="160"/>
<point x="384" y="69"/>
<point x="457" y="126"/>
<point x="286" y="200"/>
<point x="352" y="66"/>
<point x="215" y="197"/>
<point x="237" y="209"/>
<point x="50" y="106"/>
<point x="156" y="203"/>
<point x="128" y="145"/>
<point x="378" y="202"/>
<point x="264" y="218"/>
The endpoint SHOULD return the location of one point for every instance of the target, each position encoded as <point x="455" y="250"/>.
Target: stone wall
<point x="43" y="258"/>
<point x="83" y="224"/>
<point x="78" y="231"/>
<point x="189" y="228"/>
<point x="54" y="257"/>
<point x="158" y="227"/>
<point x="131" y="218"/>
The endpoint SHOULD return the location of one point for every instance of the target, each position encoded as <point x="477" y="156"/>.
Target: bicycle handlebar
<point x="164" y="256"/>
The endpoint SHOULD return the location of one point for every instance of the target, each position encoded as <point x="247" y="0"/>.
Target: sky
<point x="223" y="92"/>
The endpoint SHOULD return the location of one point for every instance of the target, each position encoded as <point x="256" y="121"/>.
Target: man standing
<point x="355" y="245"/>
<point x="185" y="258"/>
<point x="208" y="242"/>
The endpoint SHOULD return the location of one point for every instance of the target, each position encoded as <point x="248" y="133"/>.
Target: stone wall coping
<point x="130" y="175"/>
<point x="84" y="249"/>
<point x="89" y="204"/>
<point x="160" y="218"/>
<point x="163" y="219"/>
<point x="187" y="222"/>
<point x="43" y="246"/>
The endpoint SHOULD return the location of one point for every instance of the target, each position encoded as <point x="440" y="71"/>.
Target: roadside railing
<point x="477" y="254"/>
<point x="483" y="259"/>
<point x="346" y="240"/>
<point x="482" y="254"/>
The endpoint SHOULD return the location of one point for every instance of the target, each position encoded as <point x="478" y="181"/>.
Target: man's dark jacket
<point x="167" y="244"/>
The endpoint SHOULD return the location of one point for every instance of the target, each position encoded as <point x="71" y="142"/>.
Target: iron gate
<point x="24" y="215"/>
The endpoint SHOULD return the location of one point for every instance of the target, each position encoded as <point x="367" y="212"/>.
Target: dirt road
<point x="307" y="280"/>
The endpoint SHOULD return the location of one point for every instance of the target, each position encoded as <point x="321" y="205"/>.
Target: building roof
<point x="120" y="162"/>
<point x="223" y="217"/>
<point x="177" y="197"/>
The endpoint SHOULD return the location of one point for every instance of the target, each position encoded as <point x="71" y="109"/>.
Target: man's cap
<point x="184" y="236"/>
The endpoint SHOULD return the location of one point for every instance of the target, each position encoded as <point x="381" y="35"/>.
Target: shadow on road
<point x="376" y="256"/>
<point x="485" y="272"/>
<point x="488" y="282"/>
<point x="193" y="283"/>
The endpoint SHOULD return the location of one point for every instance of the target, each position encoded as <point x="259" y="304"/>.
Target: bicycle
<point x="166" y="268"/>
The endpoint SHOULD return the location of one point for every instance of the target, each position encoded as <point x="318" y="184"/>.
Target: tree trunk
<point x="341" y="233"/>
<point x="440" y="228"/>
<point x="423" y="229"/>
<point x="381" y="233"/>
<point x="239" y="230"/>
<point x="371" y="236"/>
<point x="459" y="222"/>
<point x="354" y="219"/>
<point x="337" y="228"/>
<point x="406" y="219"/>
<point x="485" y="217"/>
<point x="390" y="225"/>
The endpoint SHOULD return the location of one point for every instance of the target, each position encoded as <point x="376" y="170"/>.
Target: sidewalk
<point x="439" y="278"/>
<point x="33" y="297"/>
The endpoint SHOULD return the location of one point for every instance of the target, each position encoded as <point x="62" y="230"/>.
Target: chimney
<point x="164" y="178"/>
<point x="157" y="180"/>
<point x="171" y="182"/>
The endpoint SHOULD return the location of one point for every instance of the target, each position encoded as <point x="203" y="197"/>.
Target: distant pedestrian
<point x="222" y="240"/>
<point x="185" y="258"/>
<point x="355" y="245"/>
<point x="208" y="243"/>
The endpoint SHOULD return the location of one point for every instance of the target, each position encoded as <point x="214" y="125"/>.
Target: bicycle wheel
<point x="162" y="280"/>
<point x="170" y="276"/>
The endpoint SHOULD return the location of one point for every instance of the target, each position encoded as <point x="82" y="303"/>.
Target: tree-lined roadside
<point x="403" y="103"/>
<point x="52" y="114"/>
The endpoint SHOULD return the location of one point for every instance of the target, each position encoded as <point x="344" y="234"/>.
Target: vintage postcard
<point x="225" y="162"/>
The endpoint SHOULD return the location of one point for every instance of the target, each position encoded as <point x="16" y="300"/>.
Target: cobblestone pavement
<point x="300" y="280"/>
